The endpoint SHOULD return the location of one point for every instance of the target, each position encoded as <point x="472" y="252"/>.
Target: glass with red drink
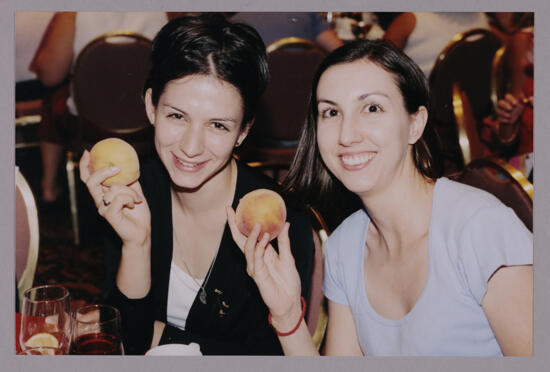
<point x="96" y="331"/>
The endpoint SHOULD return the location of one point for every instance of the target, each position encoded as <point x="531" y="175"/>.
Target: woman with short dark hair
<point x="179" y="277"/>
<point x="428" y="266"/>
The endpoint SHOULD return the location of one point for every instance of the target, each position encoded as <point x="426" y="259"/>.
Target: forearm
<point x="54" y="58"/>
<point x="300" y="341"/>
<point x="134" y="272"/>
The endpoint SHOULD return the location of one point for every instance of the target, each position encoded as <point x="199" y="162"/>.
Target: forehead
<point x="202" y="84"/>
<point x="356" y="78"/>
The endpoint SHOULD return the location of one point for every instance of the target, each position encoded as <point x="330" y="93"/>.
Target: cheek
<point x="166" y="134"/>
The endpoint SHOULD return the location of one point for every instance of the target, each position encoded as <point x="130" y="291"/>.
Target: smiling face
<point x="364" y="132"/>
<point x="197" y="124"/>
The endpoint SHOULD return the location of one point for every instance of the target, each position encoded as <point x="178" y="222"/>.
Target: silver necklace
<point x="202" y="291"/>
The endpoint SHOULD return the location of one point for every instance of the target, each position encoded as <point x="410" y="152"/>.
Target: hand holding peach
<point x="115" y="152"/>
<point x="262" y="206"/>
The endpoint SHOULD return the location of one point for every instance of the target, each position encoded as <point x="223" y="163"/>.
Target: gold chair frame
<point x="291" y="42"/>
<point x="515" y="174"/>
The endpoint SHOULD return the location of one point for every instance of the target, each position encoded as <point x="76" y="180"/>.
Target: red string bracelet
<point x="297" y="325"/>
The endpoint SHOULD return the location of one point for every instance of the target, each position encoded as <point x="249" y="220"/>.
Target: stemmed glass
<point x="46" y="319"/>
<point x="96" y="331"/>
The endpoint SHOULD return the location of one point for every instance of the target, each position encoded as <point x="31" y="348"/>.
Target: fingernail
<point x="114" y="169"/>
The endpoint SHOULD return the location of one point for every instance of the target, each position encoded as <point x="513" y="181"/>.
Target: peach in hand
<point x="262" y="206"/>
<point x="115" y="152"/>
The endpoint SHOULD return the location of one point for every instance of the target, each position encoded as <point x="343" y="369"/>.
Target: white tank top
<point x="182" y="290"/>
<point x="433" y="31"/>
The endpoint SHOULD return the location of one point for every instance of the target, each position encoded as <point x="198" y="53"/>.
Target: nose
<point x="192" y="141"/>
<point x="350" y="131"/>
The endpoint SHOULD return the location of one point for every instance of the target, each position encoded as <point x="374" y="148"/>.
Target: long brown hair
<point x="308" y="177"/>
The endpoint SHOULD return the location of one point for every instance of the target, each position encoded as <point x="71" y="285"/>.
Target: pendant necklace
<point x="202" y="290"/>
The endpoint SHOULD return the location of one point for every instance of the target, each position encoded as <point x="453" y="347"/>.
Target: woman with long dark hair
<point x="427" y="266"/>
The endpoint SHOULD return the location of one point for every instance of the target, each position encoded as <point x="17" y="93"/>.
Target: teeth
<point x="358" y="159"/>
<point x="187" y="164"/>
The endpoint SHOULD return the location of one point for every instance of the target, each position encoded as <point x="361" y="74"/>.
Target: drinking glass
<point x="96" y="331"/>
<point x="41" y="350"/>
<point x="45" y="319"/>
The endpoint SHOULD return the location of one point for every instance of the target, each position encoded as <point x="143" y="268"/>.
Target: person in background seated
<point x="514" y="112"/>
<point x="423" y="35"/>
<point x="177" y="276"/>
<point x="428" y="266"/>
<point x="273" y="26"/>
<point x="67" y="34"/>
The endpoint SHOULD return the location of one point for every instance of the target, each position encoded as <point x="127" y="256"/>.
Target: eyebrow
<point x="360" y="98"/>
<point x="212" y="119"/>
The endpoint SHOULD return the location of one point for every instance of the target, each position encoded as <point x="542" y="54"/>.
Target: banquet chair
<point x="292" y="63"/>
<point x="106" y="85"/>
<point x="26" y="235"/>
<point x="466" y="60"/>
<point x="502" y="180"/>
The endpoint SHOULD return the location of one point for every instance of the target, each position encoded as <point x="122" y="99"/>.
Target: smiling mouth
<point x="357" y="161"/>
<point x="187" y="165"/>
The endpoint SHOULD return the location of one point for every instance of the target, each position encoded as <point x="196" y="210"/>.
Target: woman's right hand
<point x="124" y="207"/>
<point x="510" y="108"/>
<point x="275" y="274"/>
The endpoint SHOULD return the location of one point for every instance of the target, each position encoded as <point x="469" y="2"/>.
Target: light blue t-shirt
<point x="471" y="235"/>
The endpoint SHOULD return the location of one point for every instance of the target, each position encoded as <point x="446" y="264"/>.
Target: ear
<point x="244" y="133"/>
<point x="418" y="123"/>
<point x="149" y="107"/>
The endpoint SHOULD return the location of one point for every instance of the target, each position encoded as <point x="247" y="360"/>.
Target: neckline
<point x="365" y="297"/>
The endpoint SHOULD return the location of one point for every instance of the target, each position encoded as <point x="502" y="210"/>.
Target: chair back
<point x="504" y="181"/>
<point x="292" y="63"/>
<point x="316" y="316"/>
<point x="26" y="235"/>
<point x="467" y="59"/>
<point x="107" y="83"/>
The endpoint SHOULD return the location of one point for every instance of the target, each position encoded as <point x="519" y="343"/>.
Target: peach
<point x="115" y="152"/>
<point x="262" y="206"/>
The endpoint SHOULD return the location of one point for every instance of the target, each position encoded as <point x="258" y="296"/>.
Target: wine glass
<point x="96" y="331"/>
<point x="45" y="319"/>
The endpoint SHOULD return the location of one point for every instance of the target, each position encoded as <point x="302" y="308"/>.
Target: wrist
<point x="288" y="323"/>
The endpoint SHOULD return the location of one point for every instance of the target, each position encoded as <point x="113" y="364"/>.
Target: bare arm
<point x="329" y="40"/>
<point x="400" y="29"/>
<point x="341" y="336"/>
<point x="508" y="305"/>
<point x="54" y="57"/>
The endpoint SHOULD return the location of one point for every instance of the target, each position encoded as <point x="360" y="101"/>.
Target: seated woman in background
<point x="514" y="112"/>
<point x="177" y="276"/>
<point x="423" y="35"/>
<point x="429" y="266"/>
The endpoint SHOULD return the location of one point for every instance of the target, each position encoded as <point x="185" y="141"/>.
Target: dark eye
<point x="219" y="126"/>
<point x="373" y="108"/>
<point x="175" y="115"/>
<point x="329" y="113"/>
